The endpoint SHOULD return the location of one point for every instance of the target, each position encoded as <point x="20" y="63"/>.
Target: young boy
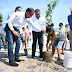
<point x="65" y="33"/>
<point x="58" y="39"/>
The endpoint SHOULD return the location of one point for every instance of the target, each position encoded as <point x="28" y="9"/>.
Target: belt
<point x="36" y="32"/>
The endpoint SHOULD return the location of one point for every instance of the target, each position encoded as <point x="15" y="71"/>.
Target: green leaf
<point x="51" y="6"/>
<point x="1" y="17"/>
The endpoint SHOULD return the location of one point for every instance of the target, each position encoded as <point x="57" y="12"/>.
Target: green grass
<point x="27" y="48"/>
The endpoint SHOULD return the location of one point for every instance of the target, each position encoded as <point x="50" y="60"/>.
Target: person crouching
<point x="58" y="39"/>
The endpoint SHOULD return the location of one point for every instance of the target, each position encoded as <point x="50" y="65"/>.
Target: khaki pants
<point x="71" y="40"/>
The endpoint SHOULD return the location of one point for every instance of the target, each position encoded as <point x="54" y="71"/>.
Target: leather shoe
<point x="33" y="57"/>
<point x="18" y="60"/>
<point x="13" y="63"/>
<point x="41" y="56"/>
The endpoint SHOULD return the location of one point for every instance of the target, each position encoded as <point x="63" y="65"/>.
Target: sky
<point x="60" y="13"/>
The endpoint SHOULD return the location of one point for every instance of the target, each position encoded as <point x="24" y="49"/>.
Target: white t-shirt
<point x="23" y="34"/>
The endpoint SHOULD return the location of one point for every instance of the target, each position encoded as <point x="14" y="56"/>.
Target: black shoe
<point x="62" y="53"/>
<point x="34" y="57"/>
<point x="18" y="60"/>
<point x="13" y="63"/>
<point x="41" y="56"/>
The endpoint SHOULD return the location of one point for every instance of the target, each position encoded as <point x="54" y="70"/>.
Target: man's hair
<point x="49" y="29"/>
<point x="37" y="10"/>
<point x="60" y="24"/>
<point x="17" y="7"/>
<point x="29" y="10"/>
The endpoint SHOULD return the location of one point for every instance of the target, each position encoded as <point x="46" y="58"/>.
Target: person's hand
<point x="68" y="31"/>
<point x="26" y="38"/>
<point x="30" y="33"/>
<point x="15" y="33"/>
<point x="48" y="47"/>
<point x="65" y="40"/>
<point x="44" y="31"/>
<point x="50" y="44"/>
<point x="4" y="34"/>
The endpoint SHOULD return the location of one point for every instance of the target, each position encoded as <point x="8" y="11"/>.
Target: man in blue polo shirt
<point x="70" y="23"/>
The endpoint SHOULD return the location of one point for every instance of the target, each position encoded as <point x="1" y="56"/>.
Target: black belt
<point x="36" y="32"/>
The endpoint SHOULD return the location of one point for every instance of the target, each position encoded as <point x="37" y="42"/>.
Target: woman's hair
<point x="66" y="25"/>
<point x="49" y="29"/>
<point x="23" y="28"/>
<point x="52" y="24"/>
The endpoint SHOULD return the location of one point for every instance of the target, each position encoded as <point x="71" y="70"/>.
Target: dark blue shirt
<point x="70" y="21"/>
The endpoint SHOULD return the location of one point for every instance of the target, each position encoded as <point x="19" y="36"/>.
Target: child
<point x="23" y="36"/>
<point x="27" y="32"/>
<point x="65" y="33"/>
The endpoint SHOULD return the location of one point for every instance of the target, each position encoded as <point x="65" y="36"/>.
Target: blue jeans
<point x="3" y="41"/>
<point x="39" y="36"/>
<point x="11" y="38"/>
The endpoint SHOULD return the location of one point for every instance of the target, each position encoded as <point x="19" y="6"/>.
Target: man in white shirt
<point x="38" y="20"/>
<point x="12" y="32"/>
<point x="17" y="9"/>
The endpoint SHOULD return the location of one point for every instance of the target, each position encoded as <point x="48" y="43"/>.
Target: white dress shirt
<point x="18" y="19"/>
<point x="11" y="15"/>
<point x="39" y="22"/>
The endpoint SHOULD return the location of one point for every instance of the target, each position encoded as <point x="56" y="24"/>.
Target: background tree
<point x="51" y="6"/>
<point x="1" y="17"/>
